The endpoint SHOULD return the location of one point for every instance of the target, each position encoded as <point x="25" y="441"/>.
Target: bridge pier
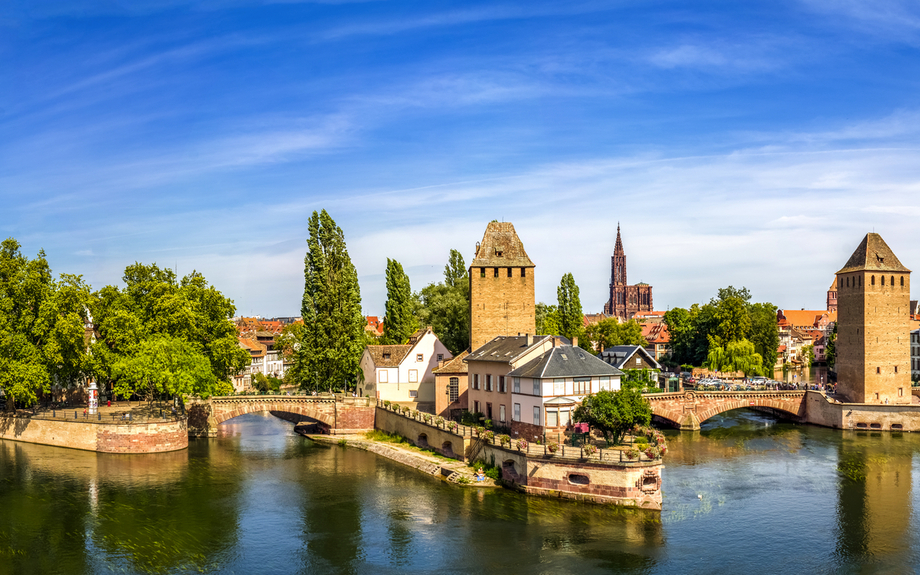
<point x="689" y="422"/>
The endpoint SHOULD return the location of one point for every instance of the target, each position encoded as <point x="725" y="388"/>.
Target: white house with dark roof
<point x="403" y="373"/>
<point x="547" y="389"/>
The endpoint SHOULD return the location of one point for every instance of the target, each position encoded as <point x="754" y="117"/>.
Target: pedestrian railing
<point x="109" y="417"/>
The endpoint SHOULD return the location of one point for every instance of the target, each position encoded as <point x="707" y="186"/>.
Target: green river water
<point x="748" y="494"/>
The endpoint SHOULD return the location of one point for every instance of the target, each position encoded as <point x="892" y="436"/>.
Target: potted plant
<point x="480" y="430"/>
<point x="452" y="426"/>
<point x="439" y="421"/>
<point x="589" y="450"/>
<point x="652" y="453"/>
<point x="504" y="440"/>
<point x="386" y="403"/>
<point x="552" y="447"/>
<point x="489" y="436"/>
<point x="522" y="444"/>
<point x="632" y="453"/>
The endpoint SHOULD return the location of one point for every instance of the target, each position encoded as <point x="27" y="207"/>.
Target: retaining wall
<point x="413" y="430"/>
<point x="100" y="436"/>
<point x="861" y="416"/>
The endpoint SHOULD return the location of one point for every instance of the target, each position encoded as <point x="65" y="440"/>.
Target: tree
<point x="547" y="319"/>
<point x="265" y="384"/>
<point x="613" y="413"/>
<point x="765" y="332"/>
<point x="41" y="326"/>
<point x="400" y="321"/>
<point x="609" y="332"/>
<point x="830" y="352"/>
<point x="446" y="306"/>
<point x="571" y="318"/>
<point x="330" y="349"/>
<point x="680" y="327"/>
<point x="638" y="379"/>
<point x="155" y="315"/>
<point x="735" y="356"/>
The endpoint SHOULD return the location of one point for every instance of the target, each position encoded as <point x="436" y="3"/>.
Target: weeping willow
<point x="734" y="356"/>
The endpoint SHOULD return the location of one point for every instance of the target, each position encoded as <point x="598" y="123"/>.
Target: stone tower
<point x="873" y="325"/>
<point x="625" y="300"/>
<point x="501" y="286"/>
<point x="832" y="296"/>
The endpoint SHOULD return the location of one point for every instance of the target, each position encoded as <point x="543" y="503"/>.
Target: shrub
<point x="552" y="447"/>
<point x="589" y="450"/>
<point x="414" y="414"/>
<point x="386" y="403"/>
<point x="427" y="418"/>
<point x="521" y="444"/>
<point x="489" y="436"/>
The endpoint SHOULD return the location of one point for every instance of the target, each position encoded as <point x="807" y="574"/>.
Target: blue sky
<point x="744" y="143"/>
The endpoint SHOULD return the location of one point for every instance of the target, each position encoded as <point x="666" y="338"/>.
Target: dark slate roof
<point x="565" y="361"/>
<point x="501" y="247"/>
<point x="618" y="354"/>
<point x="456" y="365"/>
<point x="396" y="353"/>
<point x="504" y="348"/>
<point x="873" y="254"/>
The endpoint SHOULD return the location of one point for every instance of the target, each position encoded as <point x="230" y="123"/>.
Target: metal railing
<point x="109" y="417"/>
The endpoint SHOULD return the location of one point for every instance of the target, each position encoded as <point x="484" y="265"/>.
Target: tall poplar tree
<point x="399" y="322"/>
<point x="571" y="318"/>
<point x="333" y="333"/>
<point x="446" y="306"/>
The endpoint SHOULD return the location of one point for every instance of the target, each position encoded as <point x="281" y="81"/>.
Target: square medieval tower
<point x="501" y="286"/>
<point x="873" y="325"/>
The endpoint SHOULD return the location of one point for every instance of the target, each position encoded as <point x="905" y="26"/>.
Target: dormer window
<point x="498" y="252"/>
<point x="386" y="356"/>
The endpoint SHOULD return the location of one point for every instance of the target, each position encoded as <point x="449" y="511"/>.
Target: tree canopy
<point x="332" y="339"/>
<point x="547" y="319"/>
<point x="571" y="318"/>
<point x="609" y="332"/>
<point x="613" y="413"/>
<point x="445" y="306"/>
<point x="399" y="322"/>
<point x="41" y="326"/>
<point x="161" y="336"/>
<point x="728" y="318"/>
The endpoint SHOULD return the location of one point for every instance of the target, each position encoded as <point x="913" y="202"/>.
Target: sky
<point x="736" y="143"/>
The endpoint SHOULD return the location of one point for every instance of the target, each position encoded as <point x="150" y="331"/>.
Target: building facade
<point x="832" y="297"/>
<point x="404" y="373"/>
<point x="501" y="286"/>
<point x="873" y="326"/>
<point x="451" y="382"/>
<point x="915" y="355"/>
<point x="625" y="300"/>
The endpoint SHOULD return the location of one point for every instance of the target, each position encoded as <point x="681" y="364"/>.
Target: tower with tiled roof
<point x="873" y="325"/>
<point x="625" y="300"/>
<point x="501" y="286"/>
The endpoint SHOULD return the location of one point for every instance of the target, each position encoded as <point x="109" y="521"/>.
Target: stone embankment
<point x="119" y="436"/>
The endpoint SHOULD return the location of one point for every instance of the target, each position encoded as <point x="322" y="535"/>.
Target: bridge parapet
<point x="336" y="414"/>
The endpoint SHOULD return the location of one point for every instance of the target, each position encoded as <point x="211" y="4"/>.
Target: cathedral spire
<point x="618" y="248"/>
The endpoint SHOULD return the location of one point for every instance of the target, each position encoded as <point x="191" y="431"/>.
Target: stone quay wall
<point x="627" y="484"/>
<point x="861" y="416"/>
<point x="425" y="435"/>
<point x="153" y="437"/>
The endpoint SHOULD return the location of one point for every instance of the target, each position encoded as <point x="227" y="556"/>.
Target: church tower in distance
<point x="625" y="300"/>
<point x="873" y="325"/>
<point x="501" y="286"/>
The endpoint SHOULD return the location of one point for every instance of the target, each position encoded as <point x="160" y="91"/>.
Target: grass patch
<point x="384" y="437"/>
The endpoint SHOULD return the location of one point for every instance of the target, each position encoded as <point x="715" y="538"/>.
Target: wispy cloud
<point x="897" y="20"/>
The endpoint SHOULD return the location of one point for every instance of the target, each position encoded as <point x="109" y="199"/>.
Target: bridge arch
<point x="225" y="408"/>
<point x="687" y="410"/>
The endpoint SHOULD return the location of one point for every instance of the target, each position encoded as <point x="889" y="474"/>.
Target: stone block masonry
<point x="99" y="436"/>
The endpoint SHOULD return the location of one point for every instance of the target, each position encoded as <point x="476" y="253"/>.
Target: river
<point x="747" y="494"/>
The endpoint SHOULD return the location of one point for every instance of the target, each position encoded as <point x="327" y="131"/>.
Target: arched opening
<point x="447" y="448"/>
<point x="509" y="471"/>
<point x="650" y="483"/>
<point x="579" y="479"/>
<point x="422" y="440"/>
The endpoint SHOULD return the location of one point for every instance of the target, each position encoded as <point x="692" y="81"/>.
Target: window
<point x="501" y="385"/>
<point x="896" y="369"/>
<point x="517" y="412"/>
<point x="495" y="272"/>
<point x="413" y="393"/>
<point x="382" y="376"/>
<point x="482" y="272"/>
<point x="488" y="382"/>
<point x="536" y="387"/>
<point x="440" y="357"/>
<point x="523" y="272"/>
<point x="419" y="357"/>
<point x="582" y="385"/>
<point x="902" y="281"/>
<point x="848" y="282"/>
<point x="476" y="382"/>
<point x="509" y="272"/>
<point x="536" y="415"/>
<point x="501" y="412"/>
<point x="900" y="392"/>
<point x="878" y="370"/>
<point x="564" y="417"/>
<point x="476" y="407"/>
<point x="413" y="376"/>
<point x="516" y="385"/>
<point x="604" y="382"/>
<point x="558" y="387"/>
<point x="873" y="280"/>
<point x="488" y="410"/>
<point x="638" y="361"/>
<point x="552" y="418"/>
<point x="883" y="280"/>
<point x="454" y="389"/>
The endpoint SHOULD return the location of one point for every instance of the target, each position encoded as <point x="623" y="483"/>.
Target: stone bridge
<point x="686" y="410"/>
<point x="334" y="414"/>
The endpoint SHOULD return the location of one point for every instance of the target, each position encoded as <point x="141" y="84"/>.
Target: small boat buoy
<point x="699" y="496"/>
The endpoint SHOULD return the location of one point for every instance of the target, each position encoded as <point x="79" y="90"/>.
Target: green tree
<point x="333" y="335"/>
<point x="609" y="332"/>
<point x="638" y="379"/>
<point x="765" y="332"/>
<point x="446" y="306"/>
<point x="830" y="352"/>
<point x="735" y="356"/>
<point x="613" y="413"/>
<point x="266" y="384"/>
<point x="547" y="319"/>
<point x="41" y="326"/>
<point x="681" y="328"/>
<point x="571" y="318"/>
<point x="153" y="315"/>
<point x="400" y="320"/>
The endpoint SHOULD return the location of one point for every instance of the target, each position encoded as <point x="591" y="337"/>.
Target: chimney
<point x="574" y="342"/>
<point x="528" y="340"/>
